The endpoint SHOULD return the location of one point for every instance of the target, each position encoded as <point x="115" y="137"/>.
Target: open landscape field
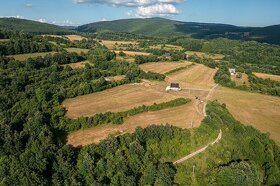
<point x="202" y="54"/>
<point x="115" y="78"/>
<point x="267" y="76"/>
<point x="197" y="76"/>
<point x="113" y="44"/>
<point x="75" y="37"/>
<point x="167" y="47"/>
<point x="77" y="50"/>
<point x="133" y="53"/>
<point x="23" y="57"/>
<point x="260" y="111"/>
<point x="117" y="99"/>
<point x="183" y="116"/>
<point x="78" y="64"/>
<point x="162" y="67"/>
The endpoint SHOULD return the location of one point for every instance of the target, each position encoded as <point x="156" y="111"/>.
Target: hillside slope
<point x="166" y="27"/>
<point x="32" y="26"/>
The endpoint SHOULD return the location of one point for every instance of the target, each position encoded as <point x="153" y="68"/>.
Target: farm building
<point x="232" y="71"/>
<point x="173" y="86"/>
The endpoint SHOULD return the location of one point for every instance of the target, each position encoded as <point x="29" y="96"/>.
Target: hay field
<point x="23" y="57"/>
<point x="202" y="54"/>
<point x="167" y="47"/>
<point x="78" y="64"/>
<point x="197" y="76"/>
<point x="133" y="53"/>
<point x="117" y="99"/>
<point x="184" y="116"/>
<point x="115" y="78"/>
<point x="267" y="76"/>
<point x="112" y="44"/>
<point x="258" y="110"/>
<point x="162" y="67"/>
<point x="77" y="50"/>
<point x="75" y="37"/>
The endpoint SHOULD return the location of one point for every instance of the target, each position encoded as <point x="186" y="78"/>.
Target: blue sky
<point x="77" y="12"/>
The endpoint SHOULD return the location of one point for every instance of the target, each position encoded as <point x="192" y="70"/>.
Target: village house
<point x="232" y="71"/>
<point x="174" y="87"/>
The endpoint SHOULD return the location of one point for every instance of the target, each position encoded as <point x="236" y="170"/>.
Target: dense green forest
<point x="33" y="129"/>
<point x="32" y="26"/>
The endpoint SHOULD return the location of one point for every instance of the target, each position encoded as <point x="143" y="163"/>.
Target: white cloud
<point x="157" y="10"/>
<point x="41" y="20"/>
<point x="104" y="19"/>
<point x="28" y="5"/>
<point x="129" y="3"/>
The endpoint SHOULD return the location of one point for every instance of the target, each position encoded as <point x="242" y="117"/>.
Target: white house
<point x="232" y="71"/>
<point x="174" y="87"/>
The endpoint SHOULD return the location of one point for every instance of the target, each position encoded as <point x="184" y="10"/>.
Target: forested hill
<point x="166" y="27"/>
<point x="32" y="26"/>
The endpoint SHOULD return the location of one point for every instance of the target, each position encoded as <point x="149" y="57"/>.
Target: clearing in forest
<point x="184" y="116"/>
<point x="167" y="47"/>
<point x="117" y="44"/>
<point x="77" y="50"/>
<point x="78" y="64"/>
<point x="133" y="53"/>
<point x="23" y="57"/>
<point x="198" y="76"/>
<point x="240" y="80"/>
<point x="258" y="110"/>
<point x="117" y="99"/>
<point x="75" y="37"/>
<point x="205" y="55"/>
<point x="267" y="76"/>
<point x="163" y="67"/>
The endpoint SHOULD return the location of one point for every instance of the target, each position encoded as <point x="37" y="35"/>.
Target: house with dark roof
<point x="174" y="87"/>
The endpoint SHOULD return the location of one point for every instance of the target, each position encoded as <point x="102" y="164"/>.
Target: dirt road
<point x="200" y="150"/>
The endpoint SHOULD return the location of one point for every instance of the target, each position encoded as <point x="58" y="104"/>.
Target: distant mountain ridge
<point x="166" y="27"/>
<point x="153" y="27"/>
<point x="32" y="26"/>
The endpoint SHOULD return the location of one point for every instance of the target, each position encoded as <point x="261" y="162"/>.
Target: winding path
<point x="200" y="150"/>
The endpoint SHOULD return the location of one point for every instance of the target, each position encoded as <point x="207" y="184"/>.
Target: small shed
<point x="232" y="71"/>
<point x="174" y="87"/>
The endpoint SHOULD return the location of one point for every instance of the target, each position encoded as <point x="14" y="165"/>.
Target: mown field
<point x="267" y="76"/>
<point x="75" y="37"/>
<point x="117" y="99"/>
<point x="23" y="57"/>
<point x="183" y="116"/>
<point x="197" y="76"/>
<point x="114" y="44"/>
<point x="133" y="53"/>
<point x="78" y="64"/>
<point x="162" y="67"/>
<point x="205" y="55"/>
<point x="260" y="111"/>
<point x="77" y="50"/>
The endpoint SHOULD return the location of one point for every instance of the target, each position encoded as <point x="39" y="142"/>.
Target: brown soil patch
<point x="115" y="78"/>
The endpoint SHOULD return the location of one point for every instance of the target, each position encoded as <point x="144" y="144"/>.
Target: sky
<point x="78" y="12"/>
